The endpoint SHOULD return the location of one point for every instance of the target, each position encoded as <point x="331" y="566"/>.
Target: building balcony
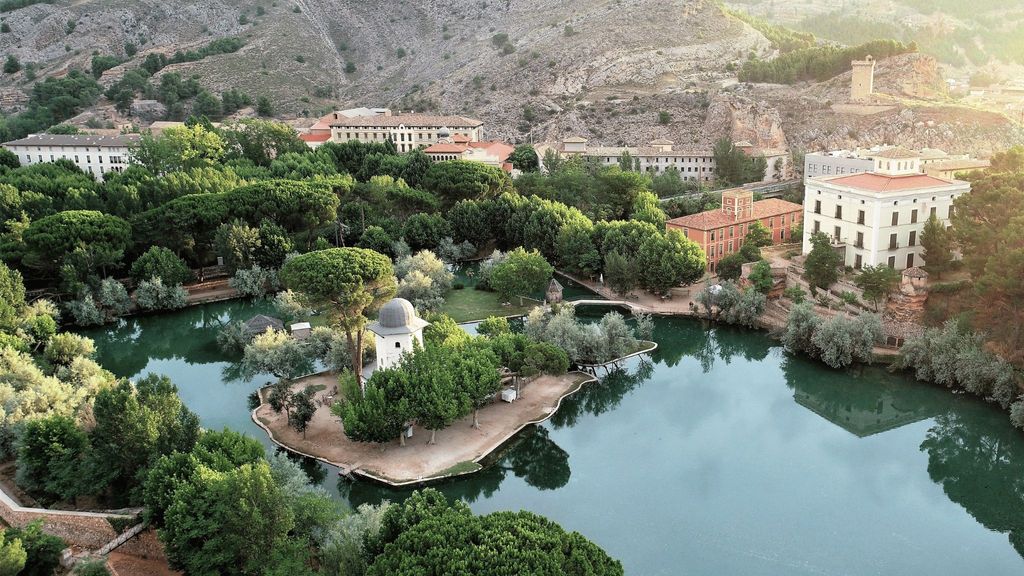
<point x="894" y="247"/>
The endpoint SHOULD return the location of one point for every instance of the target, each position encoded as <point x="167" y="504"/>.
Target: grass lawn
<point x="468" y="305"/>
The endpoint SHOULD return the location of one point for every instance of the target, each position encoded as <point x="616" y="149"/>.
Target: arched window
<point x="398" y="344"/>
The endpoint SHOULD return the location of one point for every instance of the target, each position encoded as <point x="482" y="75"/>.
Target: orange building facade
<point x="721" y="232"/>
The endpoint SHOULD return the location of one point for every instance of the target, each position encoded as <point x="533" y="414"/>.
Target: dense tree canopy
<point x="426" y="534"/>
<point x="460" y="180"/>
<point x="88" y="240"/>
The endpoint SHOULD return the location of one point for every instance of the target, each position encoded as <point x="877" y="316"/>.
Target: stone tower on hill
<point x="862" y="83"/>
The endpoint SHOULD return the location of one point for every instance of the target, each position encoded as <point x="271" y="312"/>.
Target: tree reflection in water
<point x="599" y="397"/>
<point x="980" y="468"/>
<point x="190" y="334"/>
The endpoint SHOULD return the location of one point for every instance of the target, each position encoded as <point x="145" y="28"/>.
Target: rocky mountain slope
<point x="614" y="71"/>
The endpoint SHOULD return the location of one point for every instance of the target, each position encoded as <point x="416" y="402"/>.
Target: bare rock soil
<point x="533" y="70"/>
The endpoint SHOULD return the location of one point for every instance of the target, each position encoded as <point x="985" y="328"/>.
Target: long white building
<point x="407" y="131"/>
<point x="696" y="165"/>
<point x="877" y="216"/>
<point x="94" y="155"/>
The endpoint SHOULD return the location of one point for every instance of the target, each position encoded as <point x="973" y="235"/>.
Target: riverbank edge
<point x="442" y="475"/>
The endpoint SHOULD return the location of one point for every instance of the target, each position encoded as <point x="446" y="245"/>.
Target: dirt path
<point x="126" y="565"/>
<point x="212" y="291"/>
<point x="457" y="447"/>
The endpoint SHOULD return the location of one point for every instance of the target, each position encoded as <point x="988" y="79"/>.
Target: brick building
<point x="720" y="232"/>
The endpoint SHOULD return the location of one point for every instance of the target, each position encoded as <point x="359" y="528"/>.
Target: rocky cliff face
<point x="532" y="69"/>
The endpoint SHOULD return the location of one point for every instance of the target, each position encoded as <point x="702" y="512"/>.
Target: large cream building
<point x="94" y="155"/>
<point x="407" y="131"/>
<point x="877" y="217"/>
<point x="658" y="156"/>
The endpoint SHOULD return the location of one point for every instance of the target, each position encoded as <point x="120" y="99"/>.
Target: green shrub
<point x="1017" y="413"/>
<point x="795" y="293"/>
<point x="154" y="294"/>
<point x="849" y="298"/>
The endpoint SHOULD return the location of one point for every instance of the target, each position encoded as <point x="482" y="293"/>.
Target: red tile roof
<point x="767" y="208"/>
<point x="460" y="139"/>
<point x="443" y="148"/>
<point x="317" y="137"/>
<point x="873" y="182"/>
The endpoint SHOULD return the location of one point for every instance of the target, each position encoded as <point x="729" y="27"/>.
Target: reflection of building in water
<point x="866" y="410"/>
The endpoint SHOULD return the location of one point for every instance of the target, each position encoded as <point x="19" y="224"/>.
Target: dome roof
<point x="398" y="313"/>
<point x="397" y="317"/>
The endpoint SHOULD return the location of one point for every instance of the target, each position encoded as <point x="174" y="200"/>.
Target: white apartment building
<point x="658" y="156"/>
<point x="407" y="131"/>
<point x="840" y="162"/>
<point x="94" y="155"/>
<point x="837" y="163"/>
<point x="877" y="216"/>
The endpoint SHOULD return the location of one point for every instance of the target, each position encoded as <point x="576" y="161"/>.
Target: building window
<point x="895" y="218"/>
<point x="949" y="211"/>
<point x="398" y="344"/>
<point x="910" y="260"/>
<point x="730" y="246"/>
<point x="860" y="216"/>
<point x="892" y="262"/>
<point x="817" y="206"/>
<point x="858" y="261"/>
<point x="771" y="222"/>
<point x="839" y="233"/>
<point x="839" y="212"/>
<point x="712" y="235"/>
<point x="732" y="230"/>
<point x="913" y="238"/>
<point x="913" y="215"/>
<point x="931" y="214"/>
<point x="892" y="241"/>
<point x="817" y="226"/>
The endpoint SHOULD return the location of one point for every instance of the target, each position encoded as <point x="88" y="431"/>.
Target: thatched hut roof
<point x="258" y="324"/>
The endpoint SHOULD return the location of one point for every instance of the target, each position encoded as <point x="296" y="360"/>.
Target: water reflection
<point x="980" y="468"/>
<point x="599" y="397"/>
<point x="128" y="346"/>
<point x="538" y="460"/>
<point x="862" y="400"/>
<point x="680" y="338"/>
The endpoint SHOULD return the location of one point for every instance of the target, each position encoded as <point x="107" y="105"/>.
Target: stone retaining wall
<point x="89" y="530"/>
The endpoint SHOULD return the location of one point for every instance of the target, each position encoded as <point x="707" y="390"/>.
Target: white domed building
<point x="397" y="329"/>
